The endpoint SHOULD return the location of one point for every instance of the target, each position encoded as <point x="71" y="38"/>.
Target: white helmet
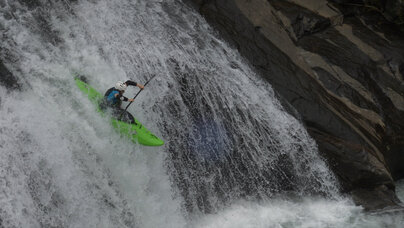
<point x="120" y="86"/>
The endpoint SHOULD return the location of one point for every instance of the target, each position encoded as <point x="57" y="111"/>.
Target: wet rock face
<point x="341" y="68"/>
<point x="40" y="23"/>
<point x="7" y="79"/>
<point x="391" y="10"/>
<point x="41" y="15"/>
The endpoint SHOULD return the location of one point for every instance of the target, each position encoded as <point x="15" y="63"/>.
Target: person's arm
<point x="132" y="83"/>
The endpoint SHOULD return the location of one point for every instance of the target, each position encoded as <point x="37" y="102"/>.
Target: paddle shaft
<point x="136" y="95"/>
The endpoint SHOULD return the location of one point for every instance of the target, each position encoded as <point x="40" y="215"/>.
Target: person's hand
<point x="140" y="86"/>
<point x="131" y="100"/>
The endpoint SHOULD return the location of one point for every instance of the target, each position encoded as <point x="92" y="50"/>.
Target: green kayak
<point x="135" y="131"/>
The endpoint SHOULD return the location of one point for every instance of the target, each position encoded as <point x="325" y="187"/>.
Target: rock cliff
<point x="340" y="64"/>
<point x="7" y="79"/>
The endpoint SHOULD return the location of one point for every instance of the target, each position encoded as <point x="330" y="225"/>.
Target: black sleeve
<point x="122" y="98"/>
<point x="132" y="83"/>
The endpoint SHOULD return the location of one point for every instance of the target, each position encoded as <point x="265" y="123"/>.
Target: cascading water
<point x="233" y="157"/>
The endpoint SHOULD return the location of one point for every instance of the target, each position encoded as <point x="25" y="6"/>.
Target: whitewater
<point x="234" y="156"/>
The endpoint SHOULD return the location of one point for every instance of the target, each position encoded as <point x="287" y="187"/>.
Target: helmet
<point x="120" y="86"/>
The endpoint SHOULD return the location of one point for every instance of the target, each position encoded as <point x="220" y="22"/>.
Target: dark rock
<point x="341" y="67"/>
<point x="380" y="197"/>
<point x="303" y="21"/>
<point x="391" y="10"/>
<point x="7" y="79"/>
<point x="31" y="3"/>
<point x="41" y="17"/>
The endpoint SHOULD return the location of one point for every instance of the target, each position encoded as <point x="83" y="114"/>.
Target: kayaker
<point x="114" y="96"/>
<point x="113" y="99"/>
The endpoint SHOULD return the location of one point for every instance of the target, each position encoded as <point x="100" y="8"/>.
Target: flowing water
<point x="232" y="156"/>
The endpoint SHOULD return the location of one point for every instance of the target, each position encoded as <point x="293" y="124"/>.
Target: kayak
<point x="135" y="131"/>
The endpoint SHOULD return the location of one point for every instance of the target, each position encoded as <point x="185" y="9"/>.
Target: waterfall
<point x="230" y="147"/>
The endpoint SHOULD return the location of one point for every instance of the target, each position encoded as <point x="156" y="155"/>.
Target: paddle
<point x="136" y="96"/>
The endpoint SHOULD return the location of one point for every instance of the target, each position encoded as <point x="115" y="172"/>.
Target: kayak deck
<point x="135" y="131"/>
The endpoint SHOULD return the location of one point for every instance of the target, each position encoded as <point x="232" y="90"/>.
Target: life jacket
<point x="110" y="97"/>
